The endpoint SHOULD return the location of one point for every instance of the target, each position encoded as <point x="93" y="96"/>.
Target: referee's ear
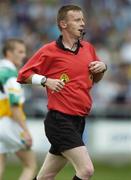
<point x="63" y="24"/>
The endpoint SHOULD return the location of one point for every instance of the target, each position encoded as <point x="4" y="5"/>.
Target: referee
<point x="67" y="67"/>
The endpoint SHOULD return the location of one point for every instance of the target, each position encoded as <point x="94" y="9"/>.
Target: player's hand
<point x="97" y="67"/>
<point x="27" y="139"/>
<point x="55" y="85"/>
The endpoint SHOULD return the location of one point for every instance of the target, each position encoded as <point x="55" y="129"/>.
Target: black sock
<point x="35" y="178"/>
<point x="76" y="178"/>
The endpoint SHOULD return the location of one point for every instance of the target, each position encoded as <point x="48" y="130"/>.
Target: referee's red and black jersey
<point x="57" y="62"/>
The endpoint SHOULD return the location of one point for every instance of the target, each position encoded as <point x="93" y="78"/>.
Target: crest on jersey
<point x="64" y="77"/>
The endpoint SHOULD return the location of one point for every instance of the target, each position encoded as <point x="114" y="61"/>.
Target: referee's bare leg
<point x="52" y="165"/>
<point x="78" y="157"/>
<point x="81" y="161"/>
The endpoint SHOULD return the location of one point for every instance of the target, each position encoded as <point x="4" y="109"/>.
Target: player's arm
<point x="16" y="100"/>
<point x="19" y="116"/>
<point x="97" y="69"/>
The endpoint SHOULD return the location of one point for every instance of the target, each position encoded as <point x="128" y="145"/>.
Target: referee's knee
<point x="86" y="172"/>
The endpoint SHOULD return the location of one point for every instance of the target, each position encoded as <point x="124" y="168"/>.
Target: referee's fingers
<point x="57" y="89"/>
<point x="61" y="85"/>
<point x="62" y="82"/>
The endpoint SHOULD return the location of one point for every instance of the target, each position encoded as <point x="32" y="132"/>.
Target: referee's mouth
<point x="82" y="32"/>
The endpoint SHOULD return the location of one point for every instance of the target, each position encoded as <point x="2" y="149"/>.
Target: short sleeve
<point x="94" y="55"/>
<point x="33" y="66"/>
<point x="14" y="91"/>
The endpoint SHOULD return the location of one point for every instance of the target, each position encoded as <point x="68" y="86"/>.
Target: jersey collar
<point x="7" y="63"/>
<point x="61" y="46"/>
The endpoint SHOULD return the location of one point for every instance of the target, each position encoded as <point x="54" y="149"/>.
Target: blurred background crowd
<point x="108" y="27"/>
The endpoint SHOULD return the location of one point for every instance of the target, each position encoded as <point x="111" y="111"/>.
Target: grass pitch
<point x="102" y="172"/>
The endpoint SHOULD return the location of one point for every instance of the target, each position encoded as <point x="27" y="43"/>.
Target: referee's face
<point x="75" y="23"/>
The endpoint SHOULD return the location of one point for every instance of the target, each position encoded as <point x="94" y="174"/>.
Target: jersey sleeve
<point x="93" y="51"/>
<point x="35" y="65"/>
<point x="14" y="91"/>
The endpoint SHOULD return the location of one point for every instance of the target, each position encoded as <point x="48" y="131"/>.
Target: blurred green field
<point x="102" y="172"/>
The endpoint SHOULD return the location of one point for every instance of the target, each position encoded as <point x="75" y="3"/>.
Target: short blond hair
<point x="62" y="13"/>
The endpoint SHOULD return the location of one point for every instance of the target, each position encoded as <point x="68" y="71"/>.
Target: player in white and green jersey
<point x="10" y="90"/>
<point x="14" y="134"/>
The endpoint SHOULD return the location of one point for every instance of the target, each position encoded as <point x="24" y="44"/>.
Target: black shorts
<point x="63" y="131"/>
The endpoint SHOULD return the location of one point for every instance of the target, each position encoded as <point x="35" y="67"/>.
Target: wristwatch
<point x="43" y="81"/>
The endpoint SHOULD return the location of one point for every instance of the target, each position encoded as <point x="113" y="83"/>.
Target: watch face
<point x="43" y="80"/>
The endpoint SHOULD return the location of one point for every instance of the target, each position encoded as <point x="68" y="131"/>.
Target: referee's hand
<point x="55" y="85"/>
<point x="97" y="67"/>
